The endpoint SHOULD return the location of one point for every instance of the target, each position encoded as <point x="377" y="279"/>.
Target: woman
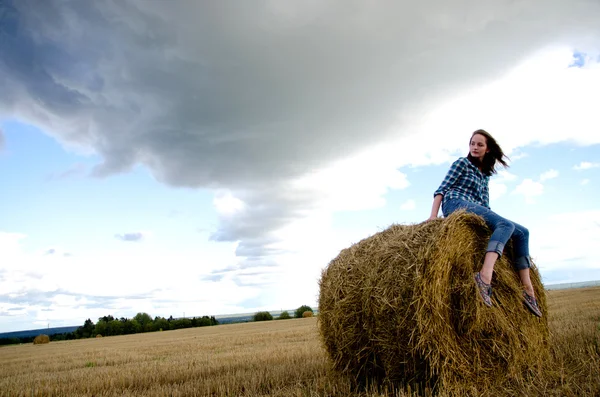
<point x="466" y="187"/>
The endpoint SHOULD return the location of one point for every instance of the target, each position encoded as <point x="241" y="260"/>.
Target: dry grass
<point x="275" y="358"/>
<point x="575" y="341"/>
<point x="401" y="306"/>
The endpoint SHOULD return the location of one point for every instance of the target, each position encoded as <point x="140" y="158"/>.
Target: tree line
<point x="298" y="313"/>
<point x="143" y="322"/>
<point x="110" y="326"/>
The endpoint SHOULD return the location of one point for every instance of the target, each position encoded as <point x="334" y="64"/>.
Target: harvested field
<point x="275" y="358"/>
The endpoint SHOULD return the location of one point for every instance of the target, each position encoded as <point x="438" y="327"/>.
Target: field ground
<point x="276" y="358"/>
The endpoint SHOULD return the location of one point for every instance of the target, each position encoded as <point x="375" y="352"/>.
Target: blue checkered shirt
<point x="464" y="181"/>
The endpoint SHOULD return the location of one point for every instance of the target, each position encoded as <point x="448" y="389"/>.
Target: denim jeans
<point x="502" y="230"/>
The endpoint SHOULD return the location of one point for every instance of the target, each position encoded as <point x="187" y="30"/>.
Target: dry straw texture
<point x="307" y="313"/>
<point x="401" y="307"/>
<point x="40" y="339"/>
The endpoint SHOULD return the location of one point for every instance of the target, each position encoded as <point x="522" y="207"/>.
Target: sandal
<point x="532" y="304"/>
<point x="485" y="290"/>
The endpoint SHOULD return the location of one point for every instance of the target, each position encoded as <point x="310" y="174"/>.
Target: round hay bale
<point x="99" y="336"/>
<point x="402" y="307"/>
<point x="41" y="339"/>
<point x="307" y="313"/>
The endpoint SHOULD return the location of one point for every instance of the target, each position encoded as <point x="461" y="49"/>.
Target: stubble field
<point x="275" y="358"/>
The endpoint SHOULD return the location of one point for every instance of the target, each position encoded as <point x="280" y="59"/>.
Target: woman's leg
<point x="488" y="266"/>
<point x="526" y="281"/>
<point x="520" y="239"/>
<point x="522" y="264"/>
<point x="502" y="230"/>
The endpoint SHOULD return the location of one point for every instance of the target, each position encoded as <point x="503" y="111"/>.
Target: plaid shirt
<point x="464" y="181"/>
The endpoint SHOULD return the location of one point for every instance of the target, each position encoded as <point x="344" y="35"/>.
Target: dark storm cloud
<point x="247" y="95"/>
<point x="136" y="236"/>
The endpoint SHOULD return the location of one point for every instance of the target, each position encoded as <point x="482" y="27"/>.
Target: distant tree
<point x="207" y="321"/>
<point x="300" y="311"/>
<point x="10" y="341"/>
<point x="107" y="327"/>
<point x="86" y="330"/>
<point x="115" y="327"/>
<point x="181" y="323"/>
<point x="106" y="319"/>
<point x="263" y="316"/>
<point x="284" y="316"/>
<point x="145" y="321"/>
<point x="101" y="327"/>
<point x="161" y="323"/>
<point x="131" y="326"/>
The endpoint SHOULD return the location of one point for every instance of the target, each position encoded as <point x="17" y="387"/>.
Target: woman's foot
<point x="485" y="290"/>
<point x="532" y="304"/>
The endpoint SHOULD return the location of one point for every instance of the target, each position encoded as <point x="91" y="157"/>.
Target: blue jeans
<point x="502" y="230"/>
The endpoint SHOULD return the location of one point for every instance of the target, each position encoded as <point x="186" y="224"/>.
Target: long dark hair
<point x="495" y="154"/>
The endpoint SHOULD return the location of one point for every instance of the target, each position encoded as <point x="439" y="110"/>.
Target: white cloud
<point x="356" y="183"/>
<point x="585" y="165"/>
<point x="499" y="183"/>
<point x="497" y="190"/>
<point x="227" y="204"/>
<point x="11" y="249"/>
<point x="566" y="240"/>
<point x="408" y="205"/>
<point x="517" y="155"/>
<point x="550" y="174"/>
<point x="541" y="86"/>
<point x="585" y="182"/>
<point x="504" y="176"/>
<point x="529" y="189"/>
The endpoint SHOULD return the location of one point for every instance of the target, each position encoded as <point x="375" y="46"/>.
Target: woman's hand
<point x="435" y="207"/>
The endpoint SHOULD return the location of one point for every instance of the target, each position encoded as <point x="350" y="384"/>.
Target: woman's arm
<point x="456" y="169"/>
<point x="435" y="208"/>
<point x="486" y="194"/>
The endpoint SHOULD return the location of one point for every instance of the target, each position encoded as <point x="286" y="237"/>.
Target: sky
<point x="186" y="158"/>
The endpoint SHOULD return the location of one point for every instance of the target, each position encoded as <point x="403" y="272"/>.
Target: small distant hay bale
<point x="307" y="313"/>
<point x="99" y="336"/>
<point x="401" y="307"/>
<point x="41" y="339"/>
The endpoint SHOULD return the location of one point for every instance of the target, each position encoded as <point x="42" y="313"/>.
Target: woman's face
<point x="478" y="147"/>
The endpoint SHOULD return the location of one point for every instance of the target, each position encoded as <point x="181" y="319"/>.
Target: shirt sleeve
<point x="486" y="194"/>
<point x="451" y="177"/>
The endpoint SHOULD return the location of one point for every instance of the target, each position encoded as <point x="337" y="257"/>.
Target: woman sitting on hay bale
<point x="466" y="187"/>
